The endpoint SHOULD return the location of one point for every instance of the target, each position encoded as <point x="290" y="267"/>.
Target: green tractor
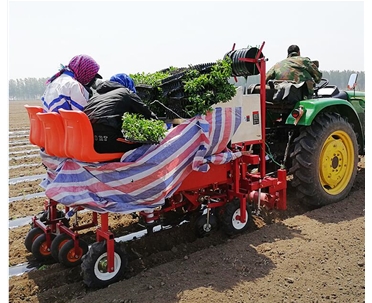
<point x="317" y="140"/>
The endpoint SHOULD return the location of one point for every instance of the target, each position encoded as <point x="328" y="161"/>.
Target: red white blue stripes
<point x="147" y="175"/>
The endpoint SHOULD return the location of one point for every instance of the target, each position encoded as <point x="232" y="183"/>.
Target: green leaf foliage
<point x="205" y="90"/>
<point x="190" y="91"/>
<point x="136" y="128"/>
<point x="153" y="79"/>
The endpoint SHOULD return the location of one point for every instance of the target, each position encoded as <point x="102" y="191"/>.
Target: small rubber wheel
<point x="202" y="229"/>
<point x="70" y="257"/>
<point x="40" y="249"/>
<point x="31" y="236"/>
<point x="57" y="244"/>
<point x="230" y="218"/>
<point x="94" y="265"/>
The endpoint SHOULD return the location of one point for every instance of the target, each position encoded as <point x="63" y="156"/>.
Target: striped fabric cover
<point x="147" y="175"/>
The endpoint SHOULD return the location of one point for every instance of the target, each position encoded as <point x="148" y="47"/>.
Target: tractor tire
<point x="324" y="160"/>
<point x="94" y="265"/>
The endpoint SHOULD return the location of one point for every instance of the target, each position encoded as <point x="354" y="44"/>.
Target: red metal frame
<point x="54" y="224"/>
<point x="215" y="188"/>
<point x="103" y="233"/>
<point x="233" y="178"/>
<point x="261" y="66"/>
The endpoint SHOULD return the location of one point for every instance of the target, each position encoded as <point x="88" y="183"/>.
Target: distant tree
<point x="26" y="89"/>
<point x="340" y="79"/>
<point x="32" y="88"/>
<point x="13" y="89"/>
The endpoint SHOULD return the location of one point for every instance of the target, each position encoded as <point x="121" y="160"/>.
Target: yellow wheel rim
<point x="336" y="162"/>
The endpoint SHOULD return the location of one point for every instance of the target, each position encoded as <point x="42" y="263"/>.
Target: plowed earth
<point x="297" y="255"/>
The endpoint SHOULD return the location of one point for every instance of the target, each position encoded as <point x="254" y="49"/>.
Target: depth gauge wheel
<point x="57" y="244"/>
<point x="40" y="249"/>
<point x="229" y="216"/>
<point x="31" y="236"/>
<point x="70" y="257"/>
<point x="94" y="265"/>
<point x="202" y="228"/>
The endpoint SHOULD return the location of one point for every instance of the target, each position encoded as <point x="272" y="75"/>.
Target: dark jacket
<point x="105" y="110"/>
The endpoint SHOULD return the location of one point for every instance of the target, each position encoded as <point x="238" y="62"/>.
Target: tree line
<point x="33" y="88"/>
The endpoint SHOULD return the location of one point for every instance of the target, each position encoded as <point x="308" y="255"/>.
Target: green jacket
<point x="296" y="68"/>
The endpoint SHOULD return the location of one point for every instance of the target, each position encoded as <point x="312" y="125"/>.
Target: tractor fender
<point x="313" y="107"/>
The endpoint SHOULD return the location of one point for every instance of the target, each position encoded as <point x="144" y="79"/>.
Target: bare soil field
<point x="297" y="255"/>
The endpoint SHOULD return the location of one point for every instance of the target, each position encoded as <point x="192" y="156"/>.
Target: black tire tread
<point x="88" y="262"/>
<point x="31" y="236"/>
<point x="35" y="249"/>
<point x="307" y="149"/>
<point x="55" y="247"/>
<point x="226" y="214"/>
<point x="65" y="250"/>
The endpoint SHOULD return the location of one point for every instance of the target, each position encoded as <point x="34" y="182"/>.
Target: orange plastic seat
<point x="36" y="136"/>
<point x="54" y="131"/>
<point x="79" y="138"/>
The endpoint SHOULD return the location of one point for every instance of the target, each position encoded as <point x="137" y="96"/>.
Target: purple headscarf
<point x="84" y="68"/>
<point x="124" y="80"/>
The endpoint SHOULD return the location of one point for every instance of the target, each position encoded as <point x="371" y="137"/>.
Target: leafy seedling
<point x="136" y="128"/>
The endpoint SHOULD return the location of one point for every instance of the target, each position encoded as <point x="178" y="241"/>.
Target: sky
<point x="147" y="36"/>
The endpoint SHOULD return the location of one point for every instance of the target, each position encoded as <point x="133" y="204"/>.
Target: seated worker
<point x="296" y="68"/>
<point x="105" y="109"/>
<point x="67" y="89"/>
<point x="92" y="85"/>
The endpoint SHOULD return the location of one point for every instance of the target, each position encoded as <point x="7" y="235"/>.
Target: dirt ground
<point x="296" y="255"/>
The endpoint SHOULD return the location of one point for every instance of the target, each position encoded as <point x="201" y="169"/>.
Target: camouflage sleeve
<point x="270" y="75"/>
<point x="314" y="71"/>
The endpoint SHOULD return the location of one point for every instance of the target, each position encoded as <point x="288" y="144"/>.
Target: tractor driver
<point x="296" y="68"/>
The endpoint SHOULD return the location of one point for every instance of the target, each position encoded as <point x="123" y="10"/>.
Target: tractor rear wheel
<point x="325" y="160"/>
